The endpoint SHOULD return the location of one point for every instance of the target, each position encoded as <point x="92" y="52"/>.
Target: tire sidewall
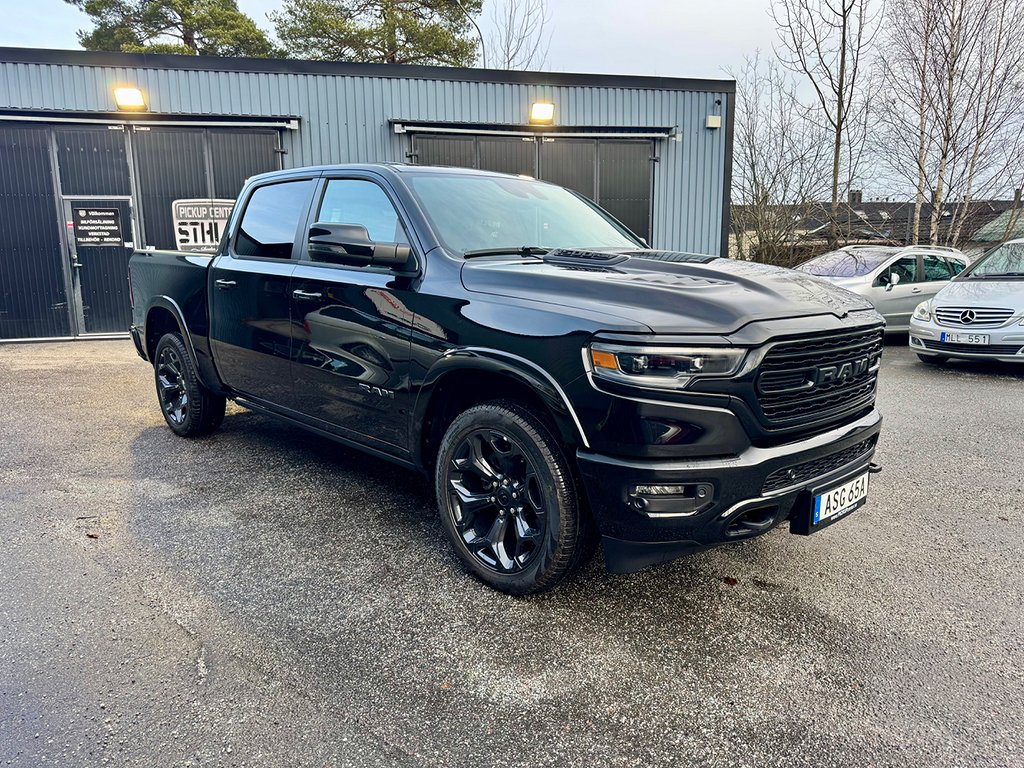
<point x="560" y="497"/>
<point x="192" y="423"/>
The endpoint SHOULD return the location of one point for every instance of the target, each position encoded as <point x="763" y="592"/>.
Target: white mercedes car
<point x="978" y="315"/>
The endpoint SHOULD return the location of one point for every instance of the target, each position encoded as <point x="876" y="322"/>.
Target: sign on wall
<point x="199" y="223"/>
<point x="97" y="228"/>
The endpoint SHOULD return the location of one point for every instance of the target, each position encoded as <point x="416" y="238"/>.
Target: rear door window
<point x="936" y="268"/>
<point x="271" y="220"/>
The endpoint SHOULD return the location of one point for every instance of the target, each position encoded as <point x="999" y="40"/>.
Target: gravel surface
<point x="265" y="597"/>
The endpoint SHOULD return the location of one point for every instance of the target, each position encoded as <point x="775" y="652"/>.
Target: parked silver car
<point x="893" y="279"/>
<point x="978" y="315"/>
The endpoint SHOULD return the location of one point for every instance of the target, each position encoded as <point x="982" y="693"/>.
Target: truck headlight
<point x="662" y="367"/>
<point x="923" y="311"/>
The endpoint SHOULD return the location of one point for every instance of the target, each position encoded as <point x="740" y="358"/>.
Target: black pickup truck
<point x="560" y="382"/>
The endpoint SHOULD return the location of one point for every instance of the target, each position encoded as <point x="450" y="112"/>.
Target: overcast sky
<point x="680" y="38"/>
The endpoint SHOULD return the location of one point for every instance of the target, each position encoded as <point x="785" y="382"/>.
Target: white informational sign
<point x="199" y="223"/>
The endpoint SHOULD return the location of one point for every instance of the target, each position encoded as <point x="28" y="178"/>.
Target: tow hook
<point x="874" y="469"/>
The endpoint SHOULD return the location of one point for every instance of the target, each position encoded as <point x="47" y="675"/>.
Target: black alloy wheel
<point x="171" y="388"/>
<point x="496" y="501"/>
<point x="508" y="501"/>
<point x="189" y="408"/>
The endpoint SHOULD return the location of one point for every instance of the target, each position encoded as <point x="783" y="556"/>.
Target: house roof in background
<point x="1008" y="225"/>
<point x="892" y="220"/>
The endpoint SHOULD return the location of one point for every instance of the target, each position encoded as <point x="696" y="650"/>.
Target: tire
<point x="933" y="359"/>
<point x="535" y="533"/>
<point x="189" y="408"/>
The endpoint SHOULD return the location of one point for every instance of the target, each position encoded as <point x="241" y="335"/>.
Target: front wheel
<point x="189" y="408"/>
<point x="507" y="499"/>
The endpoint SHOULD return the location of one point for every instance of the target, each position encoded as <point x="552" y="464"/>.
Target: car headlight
<point x="662" y="367"/>
<point x="923" y="311"/>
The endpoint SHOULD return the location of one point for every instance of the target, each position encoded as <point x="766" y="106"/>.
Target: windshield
<point x="471" y="213"/>
<point x="847" y="263"/>
<point x="1005" y="261"/>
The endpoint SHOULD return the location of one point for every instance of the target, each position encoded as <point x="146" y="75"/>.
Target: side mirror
<point x="351" y="244"/>
<point x="894" y="280"/>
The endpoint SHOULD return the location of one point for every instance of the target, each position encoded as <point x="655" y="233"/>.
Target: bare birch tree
<point x="519" y="34"/>
<point x="990" y="144"/>
<point x="780" y="163"/>
<point x="903" y="119"/>
<point x="827" y="42"/>
<point x="951" y="121"/>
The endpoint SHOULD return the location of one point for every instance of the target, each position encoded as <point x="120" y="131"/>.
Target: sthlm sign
<point x="199" y="222"/>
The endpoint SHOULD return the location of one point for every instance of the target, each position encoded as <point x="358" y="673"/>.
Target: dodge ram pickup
<point x="562" y="384"/>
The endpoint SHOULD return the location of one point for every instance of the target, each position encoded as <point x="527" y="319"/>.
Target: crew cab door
<point x="353" y="324"/>
<point x="250" y="293"/>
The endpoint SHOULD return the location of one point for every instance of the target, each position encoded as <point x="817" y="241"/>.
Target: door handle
<point x="915" y="290"/>
<point x="225" y="284"/>
<point x="306" y="295"/>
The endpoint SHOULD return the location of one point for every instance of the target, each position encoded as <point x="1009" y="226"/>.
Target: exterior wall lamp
<point x="129" y="99"/>
<point x="542" y="112"/>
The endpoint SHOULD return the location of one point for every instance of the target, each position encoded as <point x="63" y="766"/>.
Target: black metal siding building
<point x="82" y="183"/>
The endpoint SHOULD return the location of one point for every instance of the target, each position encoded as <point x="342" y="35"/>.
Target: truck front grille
<point x="818" y="379"/>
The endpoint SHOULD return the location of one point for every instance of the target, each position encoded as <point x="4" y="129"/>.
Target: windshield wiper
<point x="991" y="275"/>
<point x="522" y="250"/>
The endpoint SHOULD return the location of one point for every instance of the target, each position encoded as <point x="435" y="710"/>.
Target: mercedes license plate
<point x="964" y="338"/>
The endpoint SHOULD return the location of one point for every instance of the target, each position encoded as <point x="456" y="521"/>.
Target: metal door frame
<point x="76" y="305"/>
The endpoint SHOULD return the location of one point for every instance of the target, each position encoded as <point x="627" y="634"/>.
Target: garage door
<point x="614" y="173"/>
<point x="33" y="284"/>
<point x="75" y="200"/>
<point x="189" y="164"/>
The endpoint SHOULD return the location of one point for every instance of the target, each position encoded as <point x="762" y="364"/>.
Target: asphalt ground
<point x="264" y="597"/>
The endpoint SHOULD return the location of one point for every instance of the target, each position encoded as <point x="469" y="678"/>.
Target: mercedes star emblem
<point x="967" y="316"/>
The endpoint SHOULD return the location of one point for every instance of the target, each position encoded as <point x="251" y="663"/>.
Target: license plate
<point x="840" y="500"/>
<point x="964" y="338"/>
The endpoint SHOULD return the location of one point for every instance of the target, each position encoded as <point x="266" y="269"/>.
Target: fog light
<point x="670" y="490"/>
<point x="671" y="499"/>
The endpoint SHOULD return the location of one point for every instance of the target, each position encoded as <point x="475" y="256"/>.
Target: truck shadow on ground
<point x="339" y="558"/>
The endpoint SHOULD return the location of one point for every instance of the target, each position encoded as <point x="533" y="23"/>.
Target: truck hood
<point x="1001" y="294"/>
<point x="667" y="291"/>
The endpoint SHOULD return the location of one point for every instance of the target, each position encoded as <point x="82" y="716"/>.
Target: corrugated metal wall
<point x="344" y="118"/>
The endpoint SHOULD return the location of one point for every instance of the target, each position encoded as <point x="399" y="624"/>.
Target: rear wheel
<point x="189" y="408"/>
<point x="508" y="501"/>
<point x="933" y="359"/>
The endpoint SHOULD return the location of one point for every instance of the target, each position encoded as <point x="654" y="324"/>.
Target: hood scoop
<point x="570" y="257"/>
<point x="675" y="257"/>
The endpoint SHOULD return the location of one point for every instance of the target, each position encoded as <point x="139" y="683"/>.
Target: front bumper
<point x="743" y="495"/>
<point x="925" y="339"/>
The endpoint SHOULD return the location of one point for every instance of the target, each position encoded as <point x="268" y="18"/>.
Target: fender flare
<point x="519" y="369"/>
<point x="170" y="305"/>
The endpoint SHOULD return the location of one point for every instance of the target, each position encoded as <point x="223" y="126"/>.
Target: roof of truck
<point x="402" y="168"/>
